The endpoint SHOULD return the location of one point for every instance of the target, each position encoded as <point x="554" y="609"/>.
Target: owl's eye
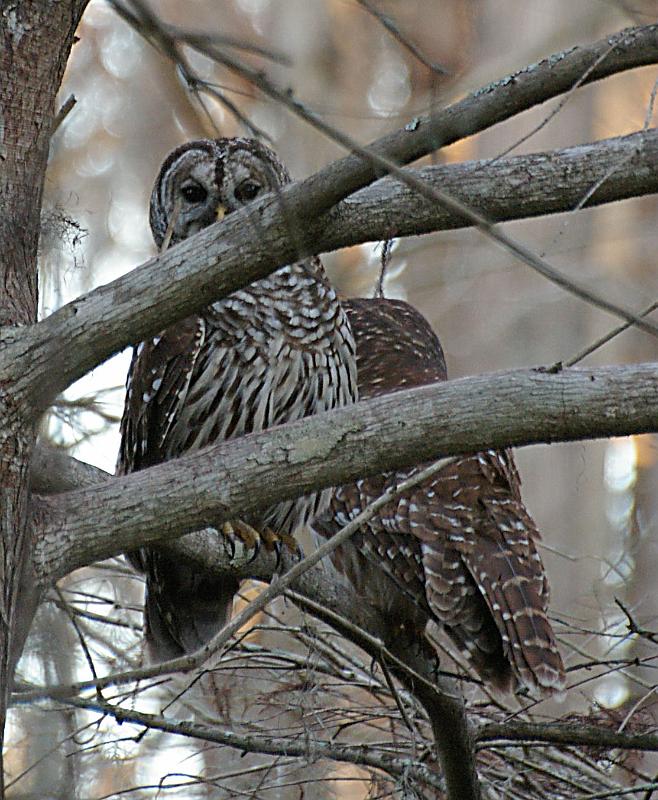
<point x="246" y="191"/>
<point x="194" y="193"/>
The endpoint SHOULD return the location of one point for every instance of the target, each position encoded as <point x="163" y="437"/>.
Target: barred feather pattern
<point x="460" y="548"/>
<point x="279" y="350"/>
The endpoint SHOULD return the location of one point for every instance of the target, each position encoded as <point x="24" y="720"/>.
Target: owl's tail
<point x="498" y="619"/>
<point x="183" y="608"/>
<point x="510" y="588"/>
<point x="485" y="580"/>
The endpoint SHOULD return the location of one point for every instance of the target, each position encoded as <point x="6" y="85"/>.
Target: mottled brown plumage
<point x="274" y="352"/>
<point x="458" y="549"/>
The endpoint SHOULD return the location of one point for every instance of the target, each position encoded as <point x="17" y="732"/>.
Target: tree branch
<point x="503" y="189"/>
<point x="351" y="754"/>
<point x="148" y="25"/>
<point x="402" y="429"/>
<point x="223" y="258"/>
<point x="53" y="471"/>
<point x="567" y="734"/>
<point x="317" y="588"/>
<point x="499" y="101"/>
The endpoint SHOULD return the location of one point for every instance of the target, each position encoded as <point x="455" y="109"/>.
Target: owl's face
<point x="202" y="181"/>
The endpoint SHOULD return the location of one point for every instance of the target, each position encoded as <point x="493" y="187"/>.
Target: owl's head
<point x="202" y="181"/>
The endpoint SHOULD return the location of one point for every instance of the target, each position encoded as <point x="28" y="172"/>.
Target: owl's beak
<point x="220" y="213"/>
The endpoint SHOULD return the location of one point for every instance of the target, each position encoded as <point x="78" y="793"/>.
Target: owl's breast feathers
<point x="275" y="352"/>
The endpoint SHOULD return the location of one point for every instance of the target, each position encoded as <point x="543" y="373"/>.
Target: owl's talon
<point x="238" y="530"/>
<point x="229" y="543"/>
<point x="277" y="541"/>
<point x="272" y="540"/>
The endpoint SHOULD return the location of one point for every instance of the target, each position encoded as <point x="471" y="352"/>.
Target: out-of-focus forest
<point x="594" y="502"/>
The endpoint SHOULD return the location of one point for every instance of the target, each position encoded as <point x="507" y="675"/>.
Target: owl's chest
<point x="258" y="369"/>
<point x="268" y="339"/>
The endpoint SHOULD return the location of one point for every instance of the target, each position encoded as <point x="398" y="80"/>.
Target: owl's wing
<point x="416" y="541"/>
<point x="484" y="578"/>
<point x="380" y="553"/>
<point x="158" y="381"/>
<point x="183" y="608"/>
<point x="458" y="549"/>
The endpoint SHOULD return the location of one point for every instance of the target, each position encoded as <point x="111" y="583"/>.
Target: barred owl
<point x="458" y="549"/>
<point x="279" y="350"/>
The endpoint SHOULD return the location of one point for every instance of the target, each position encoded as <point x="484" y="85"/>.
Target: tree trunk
<point x="35" y="40"/>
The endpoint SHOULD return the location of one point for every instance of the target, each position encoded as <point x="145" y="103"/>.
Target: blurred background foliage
<point x="595" y="502"/>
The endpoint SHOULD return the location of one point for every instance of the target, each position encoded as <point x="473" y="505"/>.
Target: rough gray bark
<point x="222" y="258"/>
<point x="401" y="429"/>
<point x="35" y="40"/>
<point x="504" y="189"/>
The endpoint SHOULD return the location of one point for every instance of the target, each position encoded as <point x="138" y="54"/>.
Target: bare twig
<point x="633" y="626"/>
<point x="562" y="103"/>
<point x="78" y="632"/>
<point x="63" y="113"/>
<point x="201" y="38"/>
<point x="167" y="39"/>
<point x="387" y="246"/>
<point x="371" y="644"/>
<point x="618" y="792"/>
<point x="405" y="41"/>
<point x="353" y="754"/>
<point x="606" y="338"/>
<point x="650" y="106"/>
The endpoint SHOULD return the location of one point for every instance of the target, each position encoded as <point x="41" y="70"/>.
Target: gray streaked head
<point x="203" y="180"/>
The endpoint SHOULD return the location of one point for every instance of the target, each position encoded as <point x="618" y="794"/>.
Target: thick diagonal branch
<point x="401" y="429"/>
<point x="221" y="259"/>
<point x="503" y="190"/>
<point x="318" y="591"/>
